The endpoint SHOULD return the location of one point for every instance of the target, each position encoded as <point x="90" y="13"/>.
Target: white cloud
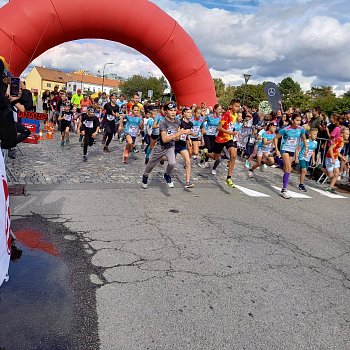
<point x="270" y="39"/>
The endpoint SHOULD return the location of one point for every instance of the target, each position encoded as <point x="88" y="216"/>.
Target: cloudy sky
<point x="308" y="40"/>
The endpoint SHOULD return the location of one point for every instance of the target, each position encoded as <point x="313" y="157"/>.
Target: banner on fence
<point x="5" y="240"/>
<point x="33" y="115"/>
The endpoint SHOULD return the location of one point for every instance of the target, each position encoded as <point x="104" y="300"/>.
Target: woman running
<point x="290" y="139"/>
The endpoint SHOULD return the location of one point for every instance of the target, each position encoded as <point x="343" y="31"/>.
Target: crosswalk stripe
<point x="327" y="194"/>
<point x="292" y="194"/>
<point x="250" y="192"/>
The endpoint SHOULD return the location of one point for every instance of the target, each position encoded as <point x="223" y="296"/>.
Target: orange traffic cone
<point x="47" y="126"/>
<point x="49" y="135"/>
<point x="40" y="135"/>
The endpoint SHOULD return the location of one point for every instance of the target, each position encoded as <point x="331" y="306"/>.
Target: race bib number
<point x="89" y="123"/>
<point x="110" y="117"/>
<point x="231" y="127"/>
<point x="195" y="129"/>
<point x="133" y="130"/>
<point x="183" y="137"/>
<point x="290" y="144"/>
<point x="68" y="117"/>
<point x="171" y="132"/>
<point x="212" y="130"/>
<point x="308" y="155"/>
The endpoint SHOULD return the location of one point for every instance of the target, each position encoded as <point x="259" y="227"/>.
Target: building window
<point x="74" y="87"/>
<point x="48" y="84"/>
<point x="94" y="90"/>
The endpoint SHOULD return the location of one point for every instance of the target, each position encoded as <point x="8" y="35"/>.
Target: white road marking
<point x="293" y="194"/>
<point x="327" y="194"/>
<point x="250" y="192"/>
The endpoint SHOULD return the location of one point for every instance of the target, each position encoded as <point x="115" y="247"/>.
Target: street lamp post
<point x="246" y="79"/>
<point x="103" y="73"/>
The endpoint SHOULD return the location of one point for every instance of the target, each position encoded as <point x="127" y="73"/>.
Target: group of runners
<point x="202" y="134"/>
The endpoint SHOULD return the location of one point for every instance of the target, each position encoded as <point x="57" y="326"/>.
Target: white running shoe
<point x="285" y="194"/>
<point x="250" y="174"/>
<point x="201" y="165"/>
<point x="213" y="171"/>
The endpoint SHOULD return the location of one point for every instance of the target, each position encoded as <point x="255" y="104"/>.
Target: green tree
<point x="321" y="91"/>
<point x="143" y="84"/>
<point x="254" y="94"/>
<point x="219" y="87"/>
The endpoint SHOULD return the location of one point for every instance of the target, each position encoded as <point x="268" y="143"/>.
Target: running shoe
<point x="189" y="185"/>
<point x="125" y="160"/>
<point x="144" y="181"/>
<point x="250" y="173"/>
<point x="331" y="190"/>
<point x="285" y="194"/>
<point x="195" y="157"/>
<point x="247" y="164"/>
<point x="213" y="171"/>
<point x="135" y="150"/>
<point x="106" y="149"/>
<point x="229" y="182"/>
<point x="169" y="180"/>
<point x="62" y="143"/>
<point x="302" y="188"/>
<point x="84" y="158"/>
<point x="201" y="165"/>
<point x="265" y="166"/>
<point x="206" y="165"/>
<point x="274" y="166"/>
<point x="67" y="142"/>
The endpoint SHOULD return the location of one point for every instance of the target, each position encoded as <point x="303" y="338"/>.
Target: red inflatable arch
<point x="31" y="27"/>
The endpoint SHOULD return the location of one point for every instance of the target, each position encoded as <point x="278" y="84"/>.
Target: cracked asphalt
<point x="209" y="268"/>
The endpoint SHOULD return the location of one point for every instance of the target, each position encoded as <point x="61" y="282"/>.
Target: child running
<point x="65" y="118"/>
<point x="290" y="140"/>
<point x="209" y="131"/>
<point x="224" y="138"/>
<point x="154" y="135"/>
<point x="181" y="143"/>
<point x="332" y="158"/>
<point x="134" y="123"/>
<point x="169" y="131"/>
<point x="264" y="148"/>
<point x="303" y="159"/>
<point x="196" y="136"/>
<point x="89" y="128"/>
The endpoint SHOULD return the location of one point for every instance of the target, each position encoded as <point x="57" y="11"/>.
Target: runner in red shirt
<point x="224" y="138"/>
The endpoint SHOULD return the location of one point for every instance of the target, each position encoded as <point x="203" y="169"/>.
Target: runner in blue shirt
<point x="134" y="123"/>
<point x="265" y="148"/>
<point x="148" y="134"/>
<point x="291" y="136"/>
<point x="194" y="141"/>
<point x="209" y="131"/>
<point x="303" y="158"/>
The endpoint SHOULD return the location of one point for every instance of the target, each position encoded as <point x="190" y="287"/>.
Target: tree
<point x="138" y="83"/>
<point x="321" y="91"/>
<point x="254" y="94"/>
<point x="219" y="87"/>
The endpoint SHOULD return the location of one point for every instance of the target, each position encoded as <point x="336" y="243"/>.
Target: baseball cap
<point x="90" y="109"/>
<point x="184" y="109"/>
<point x="169" y="105"/>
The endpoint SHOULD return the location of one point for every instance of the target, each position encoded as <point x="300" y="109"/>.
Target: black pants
<point x="109" y="132"/>
<point x="88" y="141"/>
<point x="22" y="131"/>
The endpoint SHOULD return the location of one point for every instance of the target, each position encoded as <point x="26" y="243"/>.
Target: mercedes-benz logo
<point x="271" y="92"/>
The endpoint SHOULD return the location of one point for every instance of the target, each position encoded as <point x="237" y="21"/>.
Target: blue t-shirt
<point x="197" y="126"/>
<point x="157" y="120"/>
<point x="211" y="125"/>
<point x="237" y="127"/>
<point x="132" y="125"/>
<point x="149" y="124"/>
<point x="268" y="136"/>
<point x="312" y="145"/>
<point x="290" y="138"/>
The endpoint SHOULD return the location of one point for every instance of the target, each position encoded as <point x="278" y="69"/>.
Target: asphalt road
<point x="210" y="268"/>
